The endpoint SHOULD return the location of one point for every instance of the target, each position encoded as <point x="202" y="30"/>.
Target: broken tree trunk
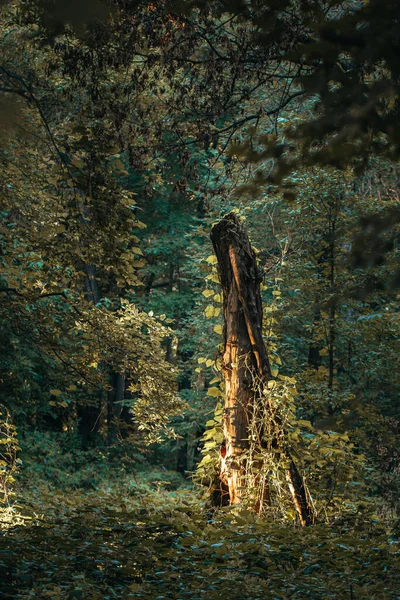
<point x="246" y="370"/>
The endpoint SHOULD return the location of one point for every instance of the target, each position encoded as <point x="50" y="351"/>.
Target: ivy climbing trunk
<point x="246" y="371"/>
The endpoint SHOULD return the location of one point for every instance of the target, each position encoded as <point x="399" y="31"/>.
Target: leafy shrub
<point x="8" y="454"/>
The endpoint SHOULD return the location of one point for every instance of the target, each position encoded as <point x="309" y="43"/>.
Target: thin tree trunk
<point x="332" y="309"/>
<point x="88" y="422"/>
<point x="182" y="456"/>
<point x="115" y="397"/>
<point x="89" y="412"/>
<point x="246" y="367"/>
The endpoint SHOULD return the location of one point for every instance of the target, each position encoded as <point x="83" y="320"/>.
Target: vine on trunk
<point x="252" y="423"/>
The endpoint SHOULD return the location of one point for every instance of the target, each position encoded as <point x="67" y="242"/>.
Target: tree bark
<point x="246" y="370"/>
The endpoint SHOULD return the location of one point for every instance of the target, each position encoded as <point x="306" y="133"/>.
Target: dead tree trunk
<point x="246" y="367"/>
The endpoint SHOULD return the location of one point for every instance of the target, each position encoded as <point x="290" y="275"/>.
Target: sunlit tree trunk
<point x="246" y="368"/>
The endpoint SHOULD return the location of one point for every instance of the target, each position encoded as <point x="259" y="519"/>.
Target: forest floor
<point x="99" y="545"/>
<point x="132" y="537"/>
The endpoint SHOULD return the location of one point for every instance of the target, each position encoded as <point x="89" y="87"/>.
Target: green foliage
<point x="70" y="253"/>
<point x="128" y="129"/>
<point x="9" y="459"/>
<point x="54" y="462"/>
<point x="106" y="544"/>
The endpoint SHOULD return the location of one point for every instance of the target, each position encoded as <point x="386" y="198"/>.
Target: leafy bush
<point x="8" y="454"/>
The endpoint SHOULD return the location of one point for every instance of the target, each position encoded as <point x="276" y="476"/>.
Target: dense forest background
<point x="129" y="129"/>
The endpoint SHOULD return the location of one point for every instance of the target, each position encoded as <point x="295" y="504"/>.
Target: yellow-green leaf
<point x="208" y="293"/>
<point x="212" y="311"/>
<point x="214" y="392"/>
<point x="212" y="259"/>
<point x="213" y="277"/>
<point x="303" y="423"/>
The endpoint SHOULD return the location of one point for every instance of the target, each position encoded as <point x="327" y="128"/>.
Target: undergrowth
<point x="139" y="532"/>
